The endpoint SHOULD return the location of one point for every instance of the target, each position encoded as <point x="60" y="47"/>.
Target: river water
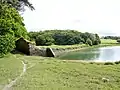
<point x="102" y="54"/>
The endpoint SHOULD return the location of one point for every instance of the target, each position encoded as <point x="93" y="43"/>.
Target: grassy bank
<point x="53" y="74"/>
<point x="108" y="41"/>
<point x="104" y="42"/>
<point x="64" y="46"/>
<point x="10" y="68"/>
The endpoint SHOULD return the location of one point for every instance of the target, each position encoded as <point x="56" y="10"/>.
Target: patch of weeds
<point x="117" y="62"/>
<point x="92" y="63"/>
<point x="108" y="63"/>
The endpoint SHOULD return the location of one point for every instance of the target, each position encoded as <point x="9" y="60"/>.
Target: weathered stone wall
<point x="35" y="51"/>
<point x="60" y="51"/>
<point x="49" y="52"/>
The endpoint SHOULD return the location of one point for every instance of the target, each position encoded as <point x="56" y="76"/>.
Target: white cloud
<point x="100" y="16"/>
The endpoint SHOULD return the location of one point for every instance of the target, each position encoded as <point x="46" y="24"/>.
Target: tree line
<point x="111" y="37"/>
<point x="64" y="37"/>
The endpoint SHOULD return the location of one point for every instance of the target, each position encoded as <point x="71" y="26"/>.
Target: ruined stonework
<point x="49" y="52"/>
<point x="35" y="51"/>
<point x="28" y="48"/>
<point x="22" y="46"/>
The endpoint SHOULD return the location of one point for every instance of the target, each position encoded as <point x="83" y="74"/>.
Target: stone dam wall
<point x="49" y="52"/>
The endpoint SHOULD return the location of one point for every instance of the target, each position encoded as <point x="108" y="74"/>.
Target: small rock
<point x="105" y="80"/>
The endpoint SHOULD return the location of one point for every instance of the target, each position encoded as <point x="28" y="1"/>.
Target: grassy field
<point x="64" y="46"/>
<point x="53" y="74"/>
<point x="10" y="68"/>
<point x="108" y="41"/>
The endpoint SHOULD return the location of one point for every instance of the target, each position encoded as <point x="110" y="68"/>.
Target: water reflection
<point x="98" y="54"/>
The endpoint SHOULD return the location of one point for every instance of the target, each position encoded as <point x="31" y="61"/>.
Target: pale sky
<point x="96" y="16"/>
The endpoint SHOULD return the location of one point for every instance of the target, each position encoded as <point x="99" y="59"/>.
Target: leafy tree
<point x="10" y="20"/>
<point x="33" y="35"/>
<point x="97" y="41"/>
<point x="44" y="39"/>
<point x="78" y="39"/>
<point x="18" y="4"/>
<point x="6" y="44"/>
<point x="67" y="37"/>
<point x="89" y="42"/>
<point x="11" y="27"/>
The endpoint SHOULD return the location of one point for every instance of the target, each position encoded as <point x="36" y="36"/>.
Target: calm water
<point x="97" y="54"/>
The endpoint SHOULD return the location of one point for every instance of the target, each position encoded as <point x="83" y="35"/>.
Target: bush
<point x="117" y="62"/>
<point x="7" y="43"/>
<point x="96" y="42"/>
<point x="118" y="40"/>
<point x="108" y="63"/>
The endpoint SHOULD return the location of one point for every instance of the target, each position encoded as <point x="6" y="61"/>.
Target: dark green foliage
<point x="89" y="42"/>
<point x="118" y="40"/>
<point x="10" y="20"/>
<point x="64" y="37"/>
<point x="67" y="39"/>
<point x="18" y="4"/>
<point x="111" y="37"/>
<point x="11" y="28"/>
<point x="6" y="44"/>
<point x="108" y="63"/>
<point x="97" y="40"/>
<point x="117" y="62"/>
<point x="44" y="39"/>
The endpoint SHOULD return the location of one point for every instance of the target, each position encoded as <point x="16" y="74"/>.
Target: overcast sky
<point x="97" y="16"/>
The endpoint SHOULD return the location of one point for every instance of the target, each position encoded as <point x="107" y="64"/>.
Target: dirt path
<point x="8" y="87"/>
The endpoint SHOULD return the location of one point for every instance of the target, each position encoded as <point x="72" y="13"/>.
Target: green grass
<point x="64" y="46"/>
<point x="104" y="42"/>
<point x="54" y="74"/>
<point x="10" y="68"/>
<point x="108" y="41"/>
